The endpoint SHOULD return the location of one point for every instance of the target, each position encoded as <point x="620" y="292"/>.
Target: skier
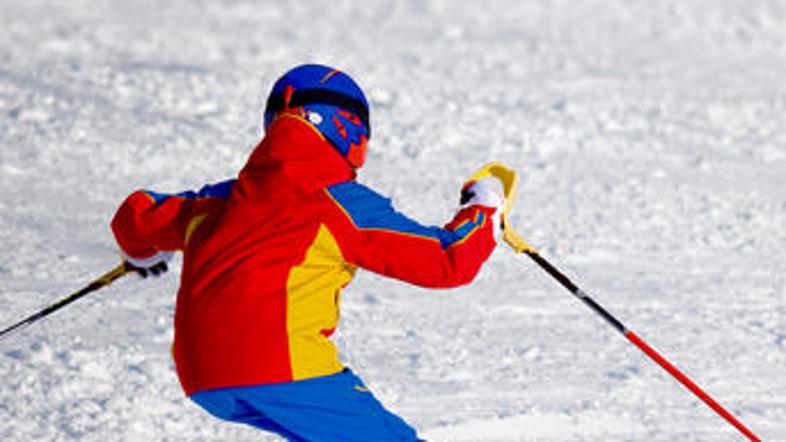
<point x="266" y="255"/>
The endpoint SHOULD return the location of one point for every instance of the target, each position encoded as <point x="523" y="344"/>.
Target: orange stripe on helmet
<point x="329" y="75"/>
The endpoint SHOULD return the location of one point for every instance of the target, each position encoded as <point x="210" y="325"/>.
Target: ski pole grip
<point x="514" y="240"/>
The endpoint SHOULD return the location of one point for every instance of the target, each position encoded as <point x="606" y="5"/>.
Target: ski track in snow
<point x="652" y="142"/>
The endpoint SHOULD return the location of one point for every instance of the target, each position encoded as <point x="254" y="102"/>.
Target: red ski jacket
<point x="265" y="257"/>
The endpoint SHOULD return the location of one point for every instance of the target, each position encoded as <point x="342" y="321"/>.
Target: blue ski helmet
<point x="331" y="101"/>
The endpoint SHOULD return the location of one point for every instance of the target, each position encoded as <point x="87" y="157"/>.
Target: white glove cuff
<point x="150" y="261"/>
<point x="487" y="192"/>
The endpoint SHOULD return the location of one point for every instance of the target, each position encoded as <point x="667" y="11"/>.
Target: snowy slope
<point x="652" y="141"/>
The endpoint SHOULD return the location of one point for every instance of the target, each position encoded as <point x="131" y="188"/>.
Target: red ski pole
<point x="509" y="180"/>
<point x="520" y="246"/>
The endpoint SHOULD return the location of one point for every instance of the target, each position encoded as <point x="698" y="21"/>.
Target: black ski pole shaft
<point x="519" y="245"/>
<point x="103" y="281"/>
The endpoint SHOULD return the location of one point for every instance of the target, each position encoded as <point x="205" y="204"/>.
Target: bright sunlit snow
<point x="651" y="140"/>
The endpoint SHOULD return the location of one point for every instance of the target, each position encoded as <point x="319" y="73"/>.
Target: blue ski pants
<point x="332" y="408"/>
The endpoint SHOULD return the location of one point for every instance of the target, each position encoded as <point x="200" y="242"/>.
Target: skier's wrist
<point x="155" y="264"/>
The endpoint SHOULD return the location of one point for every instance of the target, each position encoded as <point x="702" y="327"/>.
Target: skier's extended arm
<point x="149" y="226"/>
<point x="373" y="235"/>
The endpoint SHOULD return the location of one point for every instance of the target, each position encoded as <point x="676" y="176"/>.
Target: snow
<point x="649" y="135"/>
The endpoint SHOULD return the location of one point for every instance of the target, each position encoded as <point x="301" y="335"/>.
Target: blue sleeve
<point x="217" y="190"/>
<point x="369" y="210"/>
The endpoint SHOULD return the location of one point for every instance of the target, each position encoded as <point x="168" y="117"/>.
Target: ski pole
<point x="105" y="280"/>
<point x="519" y="245"/>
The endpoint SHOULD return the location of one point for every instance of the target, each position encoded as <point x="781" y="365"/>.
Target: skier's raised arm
<point x="374" y="236"/>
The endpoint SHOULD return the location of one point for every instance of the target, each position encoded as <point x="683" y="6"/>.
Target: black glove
<point x="155" y="270"/>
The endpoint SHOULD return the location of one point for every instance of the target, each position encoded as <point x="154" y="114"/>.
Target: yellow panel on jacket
<point x="313" y="296"/>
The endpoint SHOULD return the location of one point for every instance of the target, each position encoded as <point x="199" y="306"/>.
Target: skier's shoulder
<point x="361" y="203"/>
<point x="369" y="210"/>
<point x="359" y="200"/>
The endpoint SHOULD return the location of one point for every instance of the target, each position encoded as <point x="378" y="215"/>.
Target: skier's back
<point x="266" y="256"/>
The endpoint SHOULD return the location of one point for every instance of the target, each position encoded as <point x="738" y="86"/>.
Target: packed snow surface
<point x="651" y="141"/>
